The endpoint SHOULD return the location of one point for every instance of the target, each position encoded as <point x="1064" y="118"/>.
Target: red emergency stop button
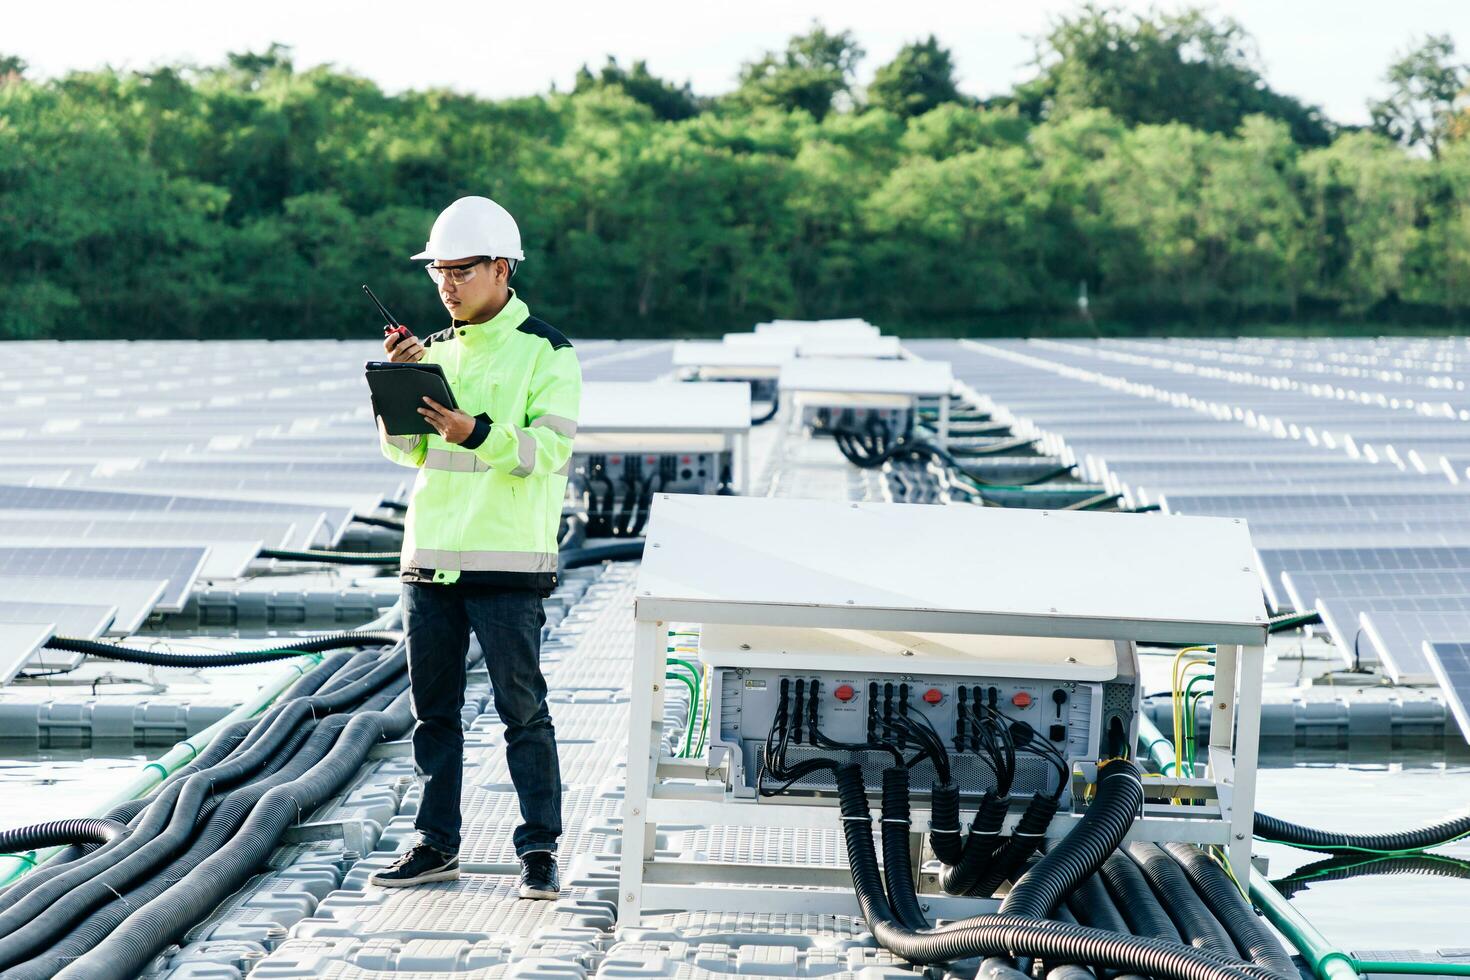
<point x="932" y="696"/>
<point x="844" y="692"/>
<point x="1021" y="699"/>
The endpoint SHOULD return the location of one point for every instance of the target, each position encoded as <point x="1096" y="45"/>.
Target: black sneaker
<point x="418" y="865"/>
<point x="538" y="875"/>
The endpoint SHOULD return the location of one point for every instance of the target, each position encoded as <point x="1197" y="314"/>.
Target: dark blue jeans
<point x="508" y="625"/>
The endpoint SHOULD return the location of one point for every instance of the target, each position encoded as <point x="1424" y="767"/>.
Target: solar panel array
<point x="1349" y="458"/>
<point x="133" y="469"/>
<point x="1451" y="665"/>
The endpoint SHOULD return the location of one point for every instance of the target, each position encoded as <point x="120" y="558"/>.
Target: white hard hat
<point x="473" y="226"/>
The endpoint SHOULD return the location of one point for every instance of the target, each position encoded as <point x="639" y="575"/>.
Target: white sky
<point x="1329" y="52"/>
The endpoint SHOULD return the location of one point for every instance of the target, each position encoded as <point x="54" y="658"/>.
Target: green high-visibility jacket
<point x="488" y="511"/>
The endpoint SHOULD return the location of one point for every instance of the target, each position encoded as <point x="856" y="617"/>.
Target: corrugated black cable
<point x="1343" y="868"/>
<point x="230" y="740"/>
<point x="55" y="833"/>
<point x="228" y="658"/>
<point x="1335" y="842"/>
<point x="1250" y="935"/>
<point x="150" y="928"/>
<point x="994" y="935"/>
<point x="959" y="878"/>
<point x="898" y="871"/>
<point x="332" y="557"/>
<point x="217" y="825"/>
<point x="1136" y="900"/>
<point x="1196" y="924"/>
<point x="1118" y="799"/>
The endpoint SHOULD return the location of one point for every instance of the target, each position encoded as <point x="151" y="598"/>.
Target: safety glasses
<point x="456" y="274"/>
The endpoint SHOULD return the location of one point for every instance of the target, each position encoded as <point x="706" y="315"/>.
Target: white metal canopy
<point x="713" y="353"/>
<point x="856" y="375"/>
<point x="950" y="569"/>
<point x="852" y="327"/>
<point x="850" y="346"/>
<point x="657" y="406"/>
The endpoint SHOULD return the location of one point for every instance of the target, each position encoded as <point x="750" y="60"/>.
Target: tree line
<point x="1146" y="162"/>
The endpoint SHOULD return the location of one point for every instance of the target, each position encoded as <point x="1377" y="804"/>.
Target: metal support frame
<point x="1220" y="811"/>
<point x="645" y="727"/>
<point x="1235" y="735"/>
<point x="738" y="445"/>
<point x="709" y="570"/>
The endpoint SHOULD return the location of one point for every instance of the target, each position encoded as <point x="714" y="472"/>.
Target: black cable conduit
<point x="168" y="822"/>
<point x="1333" y="842"/>
<point x="980" y="845"/>
<point x="1225" y="903"/>
<point x="1118" y="799"/>
<point x="1195" y="923"/>
<point x="1343" y="868"/>
<point x="30" y="930"/>
<point x="216" y="831"/>
<point x="371" y="685"/>
<point x="629" y="550"/>
<point x="898" y="870"/>
<point x="331" y="557"/>
<point x="1011" y="856"/>
<point x="770" y="413"/>
<point x="129" y="947"/>
<point x="53" y="833"/>
<point x="944" y="822"/>
<point x="230" y="658"/>
<point x="1006" y="935"/>
<point x="1135" y="899"/>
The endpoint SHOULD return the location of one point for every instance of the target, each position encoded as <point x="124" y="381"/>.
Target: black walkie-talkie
<point x="390" y="322"/>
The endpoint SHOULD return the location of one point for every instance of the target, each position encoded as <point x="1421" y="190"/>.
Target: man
<point x="480" y="541"/>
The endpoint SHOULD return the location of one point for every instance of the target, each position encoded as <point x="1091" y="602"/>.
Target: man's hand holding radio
<point x="403" y="347"/>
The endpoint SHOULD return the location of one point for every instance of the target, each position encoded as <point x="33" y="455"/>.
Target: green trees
<point x="1175" y="67"/>
<point x="1425" y="85"/>
<point x="1146" y="159"/>
<point x="814" y="70"/>
<point x="919" y="78"/>
<point x="668" y="101"/>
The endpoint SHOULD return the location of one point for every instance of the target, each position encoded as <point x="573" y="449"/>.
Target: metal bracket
<point x="391" y="750"/>
<point x="352" y="833"/>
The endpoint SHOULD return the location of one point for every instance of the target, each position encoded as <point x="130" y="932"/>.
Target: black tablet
<point x="398" y="392"/>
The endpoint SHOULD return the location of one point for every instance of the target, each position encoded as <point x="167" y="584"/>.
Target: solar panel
<point x="1398" y="633"/>
<point x="1305" y="589"/>
<point x="84" y="621"/>
<point x="630" y="361"/>
<point x="1347" y="522"/>
<point x="283" y="486"/>
<point x="357" y="499"/>
<point x="1237" y="505"/>
<point x="1347" y="623"/>
<point x="45" y="528"/>
<point x="179" y="567"/>
<point x="1450" y="663"/>
<point x="1363" y="535"/>
<point x="134" y="598"/>
<point x="18" y="644"/>
<point x="123" y="504"/>
<point x="1273" y="561"/>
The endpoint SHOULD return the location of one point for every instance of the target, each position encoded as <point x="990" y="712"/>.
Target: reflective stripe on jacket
<point x="488" y="511"/>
